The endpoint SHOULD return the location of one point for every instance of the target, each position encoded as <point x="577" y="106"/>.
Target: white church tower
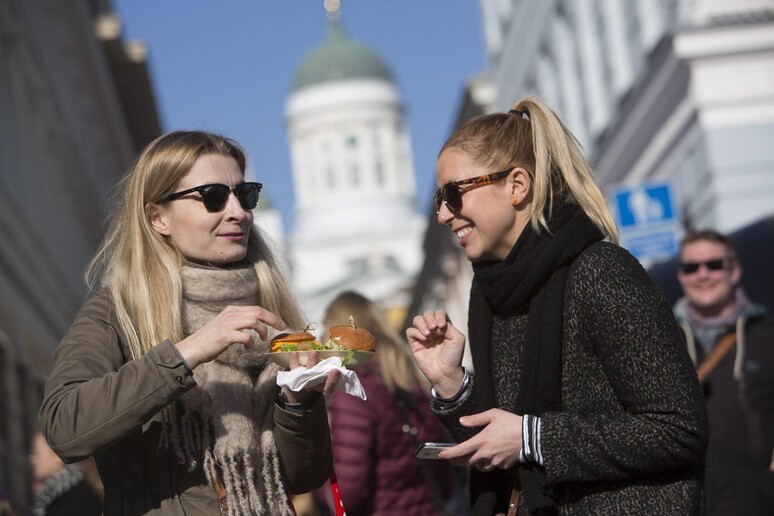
<point x="356" y="221"/>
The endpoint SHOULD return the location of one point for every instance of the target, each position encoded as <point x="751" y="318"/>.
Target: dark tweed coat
<point x="632" y="432"/>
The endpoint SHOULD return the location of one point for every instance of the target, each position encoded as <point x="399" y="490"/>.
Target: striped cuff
<point x="531" y="448"/>
<point x="460" y="393"/>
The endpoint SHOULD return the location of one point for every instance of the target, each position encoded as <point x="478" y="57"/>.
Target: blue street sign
<point x="647" y="220"/>
<point x="644" y="205"/>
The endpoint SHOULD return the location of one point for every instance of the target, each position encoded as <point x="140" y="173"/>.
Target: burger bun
<point x="346" y="336"/>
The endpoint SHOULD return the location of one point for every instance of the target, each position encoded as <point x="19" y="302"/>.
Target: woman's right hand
<point x="438" y="348"/>
<point x="225" y="329"/>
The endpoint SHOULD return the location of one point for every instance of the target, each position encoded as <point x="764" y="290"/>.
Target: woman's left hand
<point x="497" y="445"/>
<point x="311" y="360"/>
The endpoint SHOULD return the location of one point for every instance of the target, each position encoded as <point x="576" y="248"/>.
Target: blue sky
<point x="227" y="66"/>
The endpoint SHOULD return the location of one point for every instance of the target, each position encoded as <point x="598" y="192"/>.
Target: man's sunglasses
<point x="713" y="265"/>
<point x="451" y="194"/>
<point x="215" y="196"/>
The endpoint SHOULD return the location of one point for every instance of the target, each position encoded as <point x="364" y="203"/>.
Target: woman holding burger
<point x="584" y="400"/>
<point x="163" y="376"/>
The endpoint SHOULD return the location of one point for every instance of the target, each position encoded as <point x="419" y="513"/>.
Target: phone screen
<point x="431" y="450"/>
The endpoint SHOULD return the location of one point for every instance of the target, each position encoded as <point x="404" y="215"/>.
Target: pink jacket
<point x="373" y="456"/>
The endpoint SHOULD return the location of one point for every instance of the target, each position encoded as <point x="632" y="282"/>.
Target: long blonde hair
<point x="141" y="269"/>
<point x="397" y="367"/>
<point x="539" y="142"/>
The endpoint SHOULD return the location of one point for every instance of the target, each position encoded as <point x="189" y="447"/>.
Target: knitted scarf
<point x="529" y="281"/>
<point x="226" y="421"/>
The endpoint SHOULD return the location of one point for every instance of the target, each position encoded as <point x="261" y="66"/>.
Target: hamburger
<point x="298" y="341"/>
<point x="350" y="337"/>
<point x="342" y="337"/>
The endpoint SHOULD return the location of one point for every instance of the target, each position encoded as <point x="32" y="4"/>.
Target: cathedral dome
<point x="339" y="58"/>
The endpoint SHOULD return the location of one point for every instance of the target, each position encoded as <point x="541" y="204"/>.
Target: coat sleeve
<point x="304" y="445"/>
<point x="92" y="398"/>
<point x="631" y="361"/>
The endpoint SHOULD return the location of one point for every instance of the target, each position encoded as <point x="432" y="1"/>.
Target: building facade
<point x="655" y="90"/>
<point x="75" y="107"/>
<point x="679" y="90"/>
<point x="356" y="224"/>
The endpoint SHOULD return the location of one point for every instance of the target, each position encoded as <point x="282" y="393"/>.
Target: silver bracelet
<point x="460" y="392"/>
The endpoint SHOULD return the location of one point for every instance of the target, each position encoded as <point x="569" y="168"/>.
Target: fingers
<point x="457" y="452"/>
<point x="332" y="381"/>
<point x="328" y="387"/>
<point x="252" y="318"/>
<point x="464" y="450"/>
<point x="480" y="419"/>
<point x="495" y="446"/>
<point x="293" y="360"/>
<point x="311" y="358"/>
<point x="431" y="322"/>
<point x="484" y="466"/>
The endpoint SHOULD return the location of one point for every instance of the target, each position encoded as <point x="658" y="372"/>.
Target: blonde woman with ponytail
<point x="163" y="376"/>
<point x="583" y="399"/>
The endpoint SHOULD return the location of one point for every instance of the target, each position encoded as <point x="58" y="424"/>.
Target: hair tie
<point x="521" y="114"/>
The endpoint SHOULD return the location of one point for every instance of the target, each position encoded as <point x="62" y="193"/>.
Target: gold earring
<point x="515" y="200"/>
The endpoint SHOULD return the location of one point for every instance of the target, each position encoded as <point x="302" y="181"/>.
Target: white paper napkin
<point x="302" y="377"/>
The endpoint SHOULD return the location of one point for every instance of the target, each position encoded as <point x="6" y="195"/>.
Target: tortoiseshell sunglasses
<point x="451" y="193"/>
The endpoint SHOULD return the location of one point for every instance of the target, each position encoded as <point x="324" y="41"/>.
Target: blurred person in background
<point x="5" y="504"/>
<point x="583" y="399"/>
<point x="731" y="341"/>
<point x="163" y="376"/>
<point x="374" y="440"/>
<point x="59" y="489"/>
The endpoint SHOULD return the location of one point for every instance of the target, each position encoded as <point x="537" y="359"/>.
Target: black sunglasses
<point x="451" y="194"/>
<point x="215" y="196"/>
<point x="713" y="265"/>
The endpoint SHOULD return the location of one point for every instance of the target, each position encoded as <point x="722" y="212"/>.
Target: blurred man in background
<point x="731" y="341"/>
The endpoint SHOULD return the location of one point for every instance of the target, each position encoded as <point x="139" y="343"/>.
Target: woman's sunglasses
<point x="451" y="193"/>
<point x="712" y="265"/>
<point x="215" y="196"/>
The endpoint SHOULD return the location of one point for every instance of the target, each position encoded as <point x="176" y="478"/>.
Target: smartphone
<point x="431" y="450"/>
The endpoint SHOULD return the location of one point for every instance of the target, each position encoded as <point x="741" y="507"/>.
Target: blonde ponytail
<point x="561" y="169"/>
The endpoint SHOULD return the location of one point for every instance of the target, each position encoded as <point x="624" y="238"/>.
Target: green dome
<point x="338" y="58"/>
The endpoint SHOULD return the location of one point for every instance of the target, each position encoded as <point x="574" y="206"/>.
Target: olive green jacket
<point x="99" y="402"/>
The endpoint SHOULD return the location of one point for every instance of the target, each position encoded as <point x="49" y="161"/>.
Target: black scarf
<point x="530" y="280"/>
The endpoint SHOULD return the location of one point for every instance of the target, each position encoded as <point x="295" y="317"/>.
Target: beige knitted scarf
<point x="226" y="421"/>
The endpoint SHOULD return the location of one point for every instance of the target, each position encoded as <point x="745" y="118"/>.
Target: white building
<point x="655" y="89"/>
<point x="356" y="224"/>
